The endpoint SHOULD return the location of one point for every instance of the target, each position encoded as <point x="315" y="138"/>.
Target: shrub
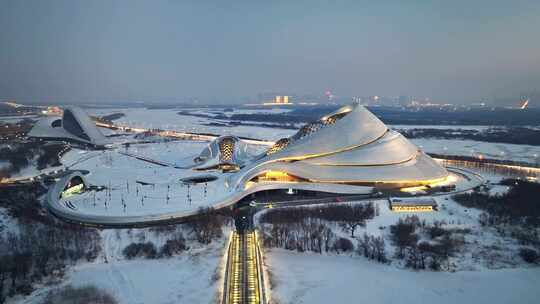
<point x="403" y="235"/>
<point x="343" y="244"/>
<point x="146" y="250"/>
<point x="79" y="295"/>
<point x="172" y="247"/>
<point x="207" y="225"/>
<point x="436" y="231"/>
<point x="434" y="264"/>
<point x="529" y="255"/>
<point x="372" y="248"/>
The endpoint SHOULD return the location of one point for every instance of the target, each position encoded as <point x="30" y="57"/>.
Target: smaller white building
<point x="75" y="126"/>
<point x="412" y="204"/>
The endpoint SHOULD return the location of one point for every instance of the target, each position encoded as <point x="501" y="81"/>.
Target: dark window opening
<point x="57" y="123"/>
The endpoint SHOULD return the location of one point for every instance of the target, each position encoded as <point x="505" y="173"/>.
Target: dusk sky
<point x="102" y="51"/>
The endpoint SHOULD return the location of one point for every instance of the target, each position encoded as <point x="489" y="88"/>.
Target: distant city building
<point x="281" y="99"/>
<point x="277" y="100"/>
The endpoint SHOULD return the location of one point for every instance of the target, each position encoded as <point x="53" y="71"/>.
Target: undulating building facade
<point x="349" y="147"/>
<point x="349" y="152"/>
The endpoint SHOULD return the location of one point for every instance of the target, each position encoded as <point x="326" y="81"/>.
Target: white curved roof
<point x="421" y="168"/>
<point x="392" y="148"/>
<point x="357" y="148"/>
<point x="89" y="127"/>
<point x="59" y="207"/>
<point x="359" y="127"/>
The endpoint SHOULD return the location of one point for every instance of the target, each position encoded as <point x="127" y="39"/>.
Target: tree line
<point x="205" y="227"/>
<point x="517" y="206"/>
<point x="21" y="155"/>
<point x="308" y="228"/>
<point x="349" y="216"/>
<point x="42" y="246"/>
<point x="148" y="250"/>
<point x="515" y="213"/>
<point x="38" y="251"/>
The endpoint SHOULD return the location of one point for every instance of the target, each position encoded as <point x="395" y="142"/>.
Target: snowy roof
<point x="412" y="201"/>
<point x="356" y="148"/>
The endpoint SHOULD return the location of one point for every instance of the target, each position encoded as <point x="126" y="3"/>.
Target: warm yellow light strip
<point x="244" y="258"/>
<point x="314" y="155"/>
<point x="252" y="267"/>
<point x="276" y="174"/>
<point x="413" y="189"/>
<point x="412" y="208"/>
<point x="419" y="182"/>
<point x="367" y="165"/>
<point x="235" y="292"/>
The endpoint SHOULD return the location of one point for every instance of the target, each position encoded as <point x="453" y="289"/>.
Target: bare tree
<point x="379" y="249"/>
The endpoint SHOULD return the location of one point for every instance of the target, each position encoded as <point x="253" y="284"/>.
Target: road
<point x="244" y="276"/>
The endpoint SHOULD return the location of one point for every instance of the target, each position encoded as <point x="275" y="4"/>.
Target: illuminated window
<point x="277" y="176"/>
<point x="226" y="149"/>
<point x="306" y="130"/>
<point x="278" y="146"/>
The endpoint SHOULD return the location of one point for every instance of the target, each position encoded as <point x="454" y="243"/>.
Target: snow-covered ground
<point x="182" y="279"/>
<point x="484" y="247"/>
<point x="193" y="276"/>
<point x="168" y="119"/>
<point x="16" y="118"/>
<point x="186" y="278"/>
<point x="7" y="223"/>
<point x="31" y="171"/>
<point x="313" y="278"/>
